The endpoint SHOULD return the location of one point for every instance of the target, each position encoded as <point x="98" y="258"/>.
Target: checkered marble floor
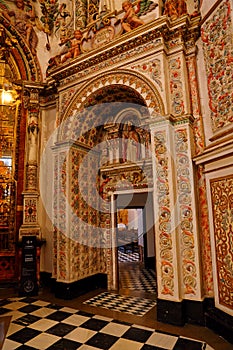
<point x="129" y="256"/>
<point x="37" y="324"/>
<point x="138" y="279"/>
<point x="116" y="302"/>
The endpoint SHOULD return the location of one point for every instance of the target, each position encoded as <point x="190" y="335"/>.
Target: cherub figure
<point x="130" y="20"/>
<point x="175" y="8"/>
<point x="74" y="50"/>
<point x="24" y="19"/>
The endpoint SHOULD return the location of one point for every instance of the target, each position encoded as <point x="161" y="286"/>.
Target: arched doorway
<point x="99" y="127"/>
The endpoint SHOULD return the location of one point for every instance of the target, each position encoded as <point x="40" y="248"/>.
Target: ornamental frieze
<point x="165" y="31"/>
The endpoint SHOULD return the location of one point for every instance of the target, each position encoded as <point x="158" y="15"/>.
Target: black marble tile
<point x="102" y="341"/>
<point x="137" y="334"/>
<point x="26" y="320"/>
<point x="64" y="344"/>
<point x="4" y="310"/>
<point x="58" y="316"/>
<point x="122" y="322"/>
<point x="84" y="313"/>
<point x="4" y="302"/>
<point x="28" y="300"/>
<point x="188" y="344"/>
<point x="152" y="347"/>
<point x="94" y="324"/>
<point x="24" y="335"/>
<point x="29" y="308"/>
<point x="54" y="306"/>
<point x="60" y="329"/>
<point x="25" y="347"/>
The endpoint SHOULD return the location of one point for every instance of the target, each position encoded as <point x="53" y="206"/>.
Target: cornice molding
<point x="185" y="29"/>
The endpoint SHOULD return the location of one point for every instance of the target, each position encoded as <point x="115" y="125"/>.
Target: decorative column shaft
<point x="30" y="224"/>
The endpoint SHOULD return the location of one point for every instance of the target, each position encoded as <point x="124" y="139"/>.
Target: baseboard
<point x="186" y="311"/>
<point x="170" y="312"/>
<point x="72" y="290"/>
<point x="149" y="262"/>
<point x="220" y="322"/>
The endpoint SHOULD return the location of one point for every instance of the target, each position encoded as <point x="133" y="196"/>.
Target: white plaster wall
<point x="46" y="188"/>
<point x="206" y="5"/>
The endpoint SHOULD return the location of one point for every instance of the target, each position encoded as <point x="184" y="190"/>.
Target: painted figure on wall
<point x="175" y="8"/>
<point x="23" y="18"/>
<point x="130" y="20"/>
<point x="131" y="151"/>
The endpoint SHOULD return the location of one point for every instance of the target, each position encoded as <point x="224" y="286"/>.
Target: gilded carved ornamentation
<point x="218" y="52"/>
<point x="165" y="213"/>
<point x="186" y="212"/>
<point x="222" y="203"/>
<point x="176" y="86"/>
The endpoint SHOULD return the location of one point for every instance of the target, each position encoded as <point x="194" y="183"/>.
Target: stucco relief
<point x="218" y="52"/>
<point x="222" y="204"/>
<point x="176" y="86"/>
<point x="164" y="205"/>
<point x="184" y="192"/>
<point x="152" y="69"/>
<point x="126" y="78"/>
<point x="205" y="233"/>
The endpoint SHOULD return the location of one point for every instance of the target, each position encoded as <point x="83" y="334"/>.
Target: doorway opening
<point x="136" y="245"/>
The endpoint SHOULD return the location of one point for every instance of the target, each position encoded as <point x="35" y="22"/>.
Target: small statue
<point x="175" y="8"/>
<point x="75" y="42"/>
<point x="130" y="20"/>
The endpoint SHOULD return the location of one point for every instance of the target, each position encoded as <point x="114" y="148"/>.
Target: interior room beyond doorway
<point x="136" y="249"/>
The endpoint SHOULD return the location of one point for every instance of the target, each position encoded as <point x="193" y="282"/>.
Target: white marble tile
<point x="125" y="344"/>
<point x="15" y="314"/>
<point x="43" y="324"/>
<point x="69" y="310"/>
<point x="40" y="303"/>
<point x="10" y="345"/>
<point x="43" y="312"/>
<point x="42" y="341"/>
<point x="103" y="318"/>
<point x="13" y="327"/>
<point x="80" y="335"/>
<point x="115" y="329"/>
<point x="75" y="320"/>
<point x="142" y="327"/>
<point x="162" y="340"/>
<point x="16" y="305"/>
<point x="87" y="347"/>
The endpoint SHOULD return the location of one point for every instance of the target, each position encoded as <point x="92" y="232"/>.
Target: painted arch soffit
<point x="82" y="101"/>
<point x="28" y="67"/>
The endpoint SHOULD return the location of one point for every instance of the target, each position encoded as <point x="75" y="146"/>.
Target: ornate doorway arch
<point x="94" y="113"/>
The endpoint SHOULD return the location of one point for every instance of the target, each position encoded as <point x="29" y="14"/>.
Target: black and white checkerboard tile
<point x="128" y="256"/>
<point x="138" y="279"/>
<point x="41" y="325"/>
<point x="116" y="302"/>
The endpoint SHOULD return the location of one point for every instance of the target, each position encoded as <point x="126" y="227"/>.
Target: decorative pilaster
<point x="188" y="229"/>
<point x="165" y="213"/>
<point x="177" y="232"/>
<point x="30" y="224"/>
